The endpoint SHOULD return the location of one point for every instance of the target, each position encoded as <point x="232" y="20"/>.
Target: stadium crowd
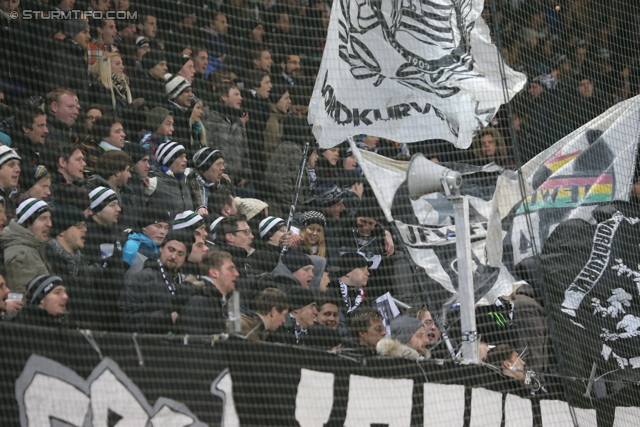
<point x="149" y="164"/>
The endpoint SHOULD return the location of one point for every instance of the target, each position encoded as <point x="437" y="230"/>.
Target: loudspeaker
<point x="425" y="177"/>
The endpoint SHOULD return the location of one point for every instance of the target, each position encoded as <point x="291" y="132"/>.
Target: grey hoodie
<point x="283" y="277"/>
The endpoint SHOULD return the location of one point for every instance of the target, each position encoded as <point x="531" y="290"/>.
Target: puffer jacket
<point x="226" y="132"/>
<point x="24" y="256"/>
<point x="273" y="131"/>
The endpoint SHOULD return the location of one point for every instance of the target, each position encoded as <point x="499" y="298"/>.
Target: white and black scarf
<point x="351" y="306"/>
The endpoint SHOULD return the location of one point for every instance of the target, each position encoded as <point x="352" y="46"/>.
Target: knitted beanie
<point x="204" y="158"/>
<point x="100" y="197"/>
<point x="155" y="118"/>
<point x="295" y="260"/>
<point x="187" y="220"/>
<point x="269" y="226"/>
<point x="403" y="328"/>
<point x="250" y="207"/>
<point x="300" y="297"/>
<point x="29" y="210"/>
<point x="135" y="151"/>
<point x="63" y="217"/>
<point x="168" y="152"/>
<point x="7" y="154"/>
<point x="153" y="58"/>
<point x="175" y="86"/>
<point x="40" y="286"/>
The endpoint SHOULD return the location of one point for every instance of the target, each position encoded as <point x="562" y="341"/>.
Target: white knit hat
<point x="175" y="86"/>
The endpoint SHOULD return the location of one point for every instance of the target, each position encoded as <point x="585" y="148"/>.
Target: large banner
<point x="427" y="229"/>
<point x="593" y="165"/>
<point x="71" y="379"/>
<point x="408" y="71"/>
<point x="591" y="281"/>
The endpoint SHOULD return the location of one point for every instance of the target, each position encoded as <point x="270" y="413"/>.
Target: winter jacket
<point x="77" y="278"/>
<point x="137" y="250"/>
<point x="392" y="348"/>
<point x="259" y="111"/>
<point x="28" y="151"/>
<point x="152" y="90"/>
<point x="227" y="132"/>
<point x="267" y="256"/>
<point x="170" y="193"/>
<point x="33" y="315"/>
<point x="273" y="132"/>
<point x="205" y="314"/>
<point x="24" y="256"/>
<point x="252" y="328"/>
<point x="286" y="334"/>
<point x="59" y="132"/>
<point x="98" y="234"/>
<point x="146" y="302"/>
<point x="99" y="94"/>
<point x="281" y="176"/>
<point x="150" y="142"/>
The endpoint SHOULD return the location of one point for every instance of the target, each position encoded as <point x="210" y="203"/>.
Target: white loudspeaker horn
<point x="425" y="177"/>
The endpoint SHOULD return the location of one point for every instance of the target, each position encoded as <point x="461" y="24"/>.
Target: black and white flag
<point x="428" y="233"/>
<point x="408" y="70"/>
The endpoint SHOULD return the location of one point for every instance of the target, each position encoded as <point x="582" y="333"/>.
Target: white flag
<point x="593" y="165"/>
<point x="408" y="70"/>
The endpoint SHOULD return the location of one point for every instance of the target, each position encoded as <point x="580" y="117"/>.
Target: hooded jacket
<point x="283" y="277"/>
<point x="390" y="347"/>
<point x="227" y="132"/>
<point x="24" y="256"/>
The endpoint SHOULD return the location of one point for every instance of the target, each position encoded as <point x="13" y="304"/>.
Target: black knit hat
<point x="63" y="217"/>
<point x="40" y="286"/>
<point x="204" y="158"/>
<point x="300" y="297"/>
<point x="153" y="215"/>
<point x="72" y="195"/>
<point x="350" y="261"/>
<point x="295" y="260"/>
<point x="328" y="195"/>
<point x="153" y="58"/>
<point x="135" y="151"/>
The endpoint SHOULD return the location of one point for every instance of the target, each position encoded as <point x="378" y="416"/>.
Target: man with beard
<point x="408" y="340"/>
<point x="153" y="298"/>
<point x="290" y="71"/>
<point x="206" y="314"/>
<point x="45" y="303"/>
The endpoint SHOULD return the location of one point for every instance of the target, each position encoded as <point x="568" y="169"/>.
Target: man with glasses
<point x="153" y="298"/>
<point x="233" y="235"/>
<point x="66" y="240"/>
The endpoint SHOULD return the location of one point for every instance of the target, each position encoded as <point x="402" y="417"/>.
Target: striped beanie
<point x="187" y="219"/>
<point x="175" y="86"/>
<point x="29" y="210"/>
<point x="205" y="158"/>
<point x="7" y="154"/>
<point x="101" y="197"/>
<point x="40" y="286"/>
<point x="168" y="152"/>
<point x="214" y="226"/>
<point x="269" y="226"/>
